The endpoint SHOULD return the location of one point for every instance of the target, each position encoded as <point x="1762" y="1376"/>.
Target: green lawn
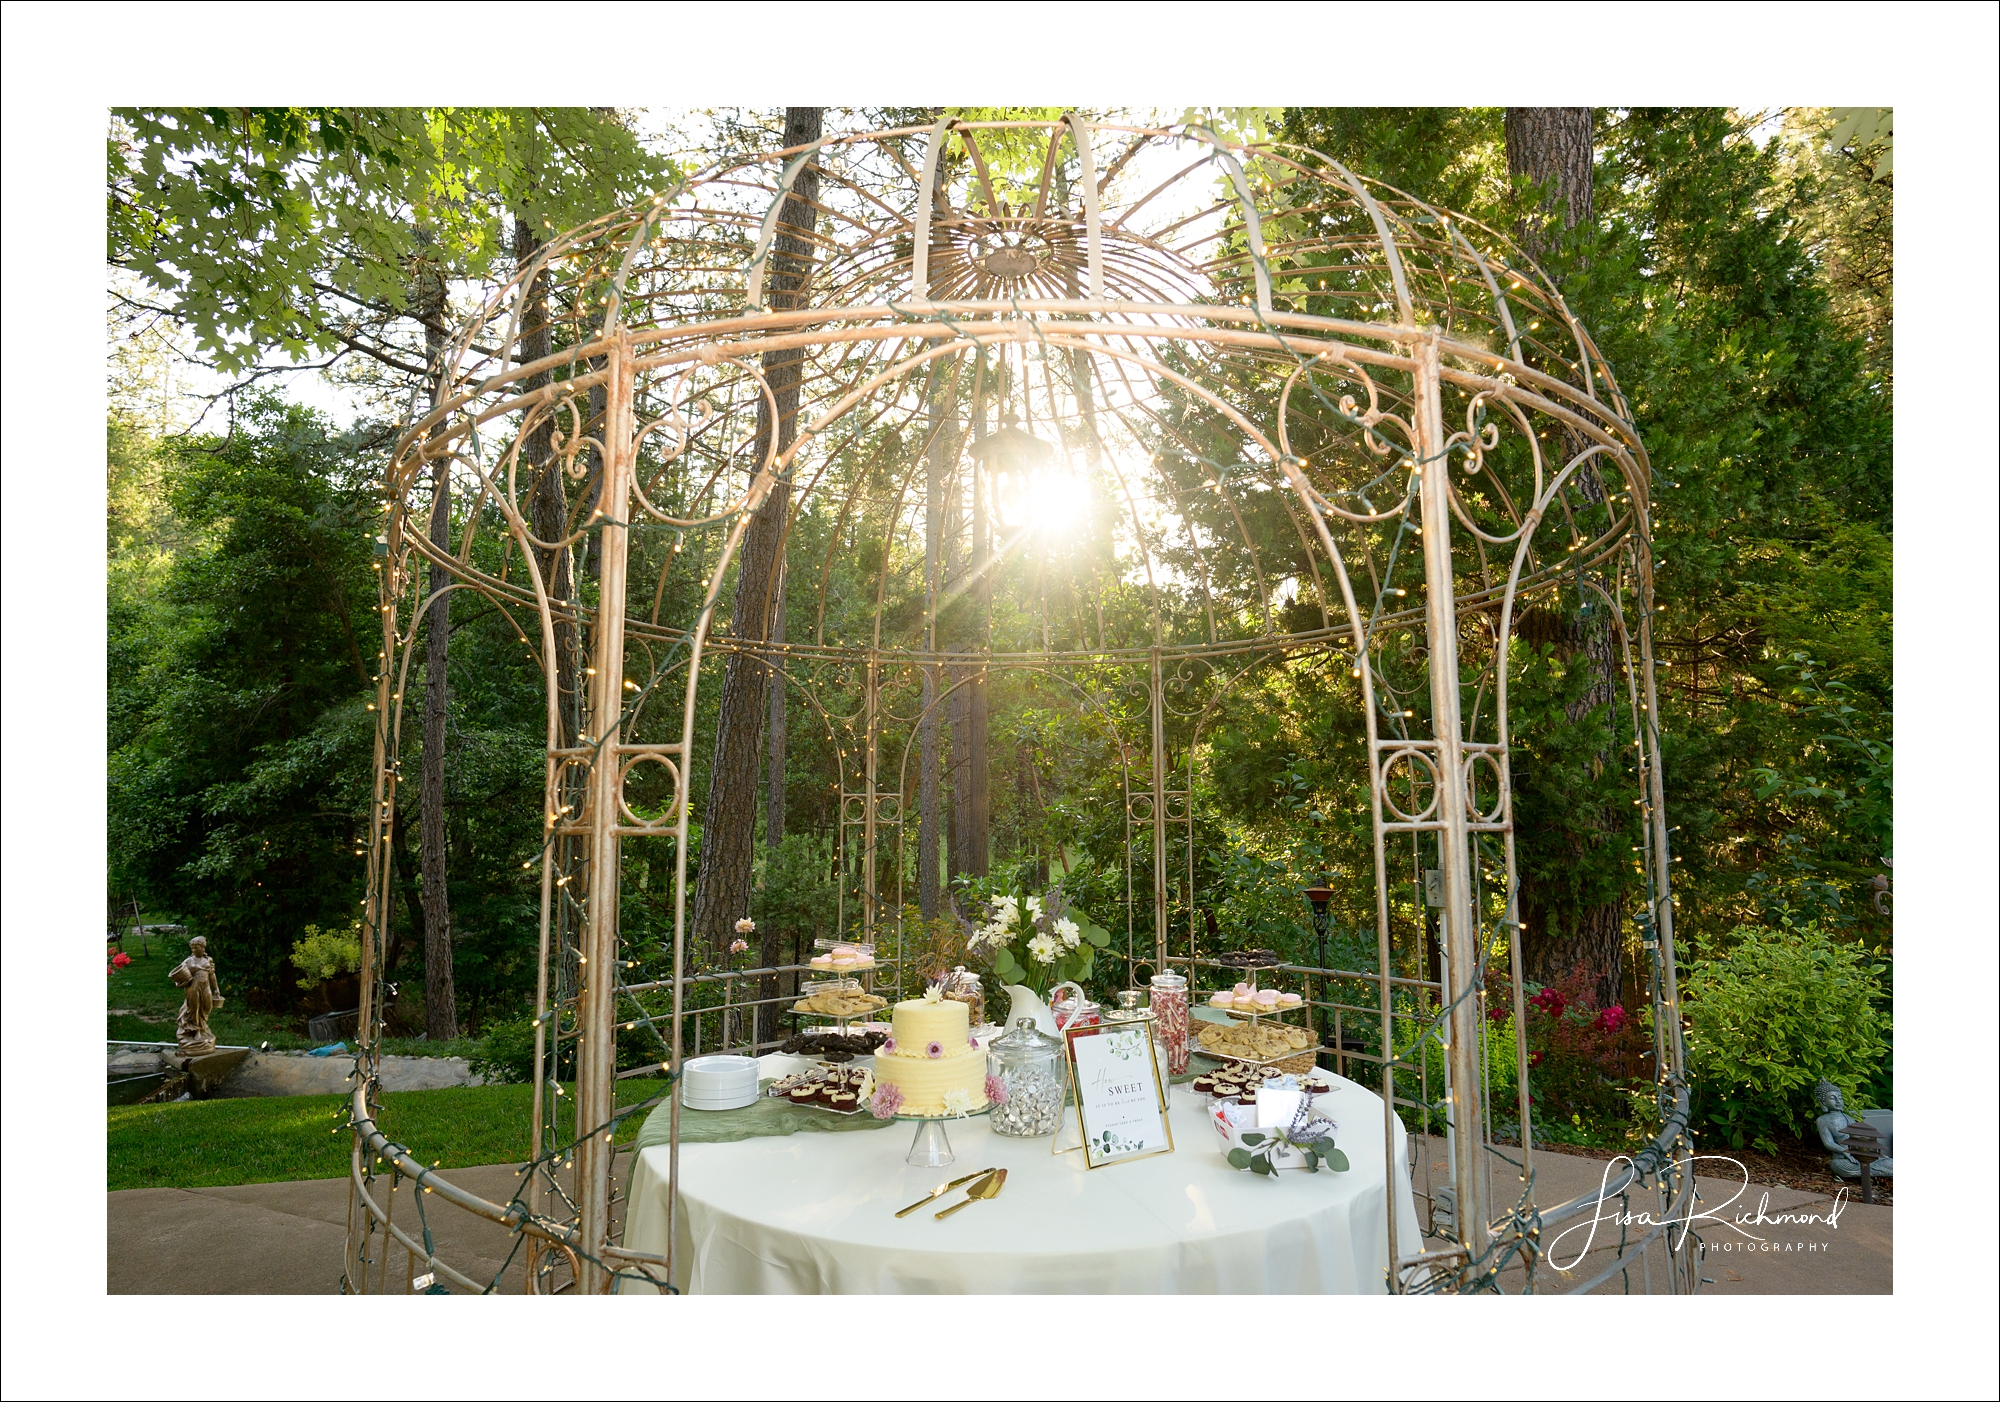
<point x="281" y="1139"/>
<point x="141" y="1003"/>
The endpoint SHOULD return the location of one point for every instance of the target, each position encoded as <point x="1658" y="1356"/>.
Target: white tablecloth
<point x="815" y="1213"/>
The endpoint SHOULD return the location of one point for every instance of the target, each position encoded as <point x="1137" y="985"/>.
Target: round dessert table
<point x="815" y="1214"/>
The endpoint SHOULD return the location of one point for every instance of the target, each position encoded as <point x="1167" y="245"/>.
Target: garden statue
<point x="196" y="975"/>
<point x="1832" y="1126"/>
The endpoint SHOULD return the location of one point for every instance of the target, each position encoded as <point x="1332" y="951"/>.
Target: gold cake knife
<point x="987" y="1187"/>
<point x="936" y="1193"/>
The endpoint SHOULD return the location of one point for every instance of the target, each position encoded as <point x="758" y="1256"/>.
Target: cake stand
<point x="932" y="1148"/>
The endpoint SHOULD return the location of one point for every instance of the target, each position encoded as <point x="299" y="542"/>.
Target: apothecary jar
<point x="1025" y="1066"/>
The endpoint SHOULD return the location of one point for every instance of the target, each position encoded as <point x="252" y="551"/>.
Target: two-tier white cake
<point x="931" y="1053"/>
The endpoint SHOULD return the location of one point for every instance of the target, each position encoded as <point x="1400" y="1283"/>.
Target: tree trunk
<point x="722" y="884"/>
<point x="978" y="851"/>
<point x="930" y="808"/>
<point x="774" y="796"/>
<point x="774" y="820"/>
<point x="956" y="629"/>
<point x="548" y="503"/>
<point x="1549" y="149"/>
<point x="440" y="991"/>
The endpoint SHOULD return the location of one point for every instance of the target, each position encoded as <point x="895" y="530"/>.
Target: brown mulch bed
<point x="1798" y="1165"/>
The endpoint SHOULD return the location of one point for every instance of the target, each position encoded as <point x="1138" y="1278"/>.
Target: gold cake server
<point x="936" y="1193"/>
<point x="987" y="1187"/>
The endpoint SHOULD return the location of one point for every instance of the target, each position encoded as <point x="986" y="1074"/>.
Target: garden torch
<point x="1320" y="896"/>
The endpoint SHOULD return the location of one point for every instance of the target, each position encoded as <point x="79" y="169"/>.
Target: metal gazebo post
<point x="596" y="1062"/>
<point x="1460" y="920"/>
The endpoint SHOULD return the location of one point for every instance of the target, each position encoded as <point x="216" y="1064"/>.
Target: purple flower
<point x="886" y="1101"/>
<point x="889" y="1045"/>
<point x="934" y="1050"/>
<point x="996" y="1090"/>
<point x="971" y="1041"/>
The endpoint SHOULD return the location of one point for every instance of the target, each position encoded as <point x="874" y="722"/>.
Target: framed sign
<point x="1116" y="1084"/>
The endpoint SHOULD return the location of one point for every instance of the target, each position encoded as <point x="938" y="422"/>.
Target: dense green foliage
<point x="1784" y="1008"/>
<point x="239" y="736"/>
<point x="1713" y="282"/>
<point x="309" y="231"/>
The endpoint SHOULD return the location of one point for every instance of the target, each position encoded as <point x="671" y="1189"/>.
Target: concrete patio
<point x="286" y="1238"/>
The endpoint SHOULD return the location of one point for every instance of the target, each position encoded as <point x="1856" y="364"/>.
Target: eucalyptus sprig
<point x="1311" y="1137"/>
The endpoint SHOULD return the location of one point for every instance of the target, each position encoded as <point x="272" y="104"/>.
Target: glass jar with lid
<point x="1170" y="1010"/>
<point x="1024" y="1065"/>
<point x="962" y="985"/>
<point x="1128" y="1011"/>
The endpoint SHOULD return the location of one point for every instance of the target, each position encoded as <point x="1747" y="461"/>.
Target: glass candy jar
<point x="1076" y="1012"/>
<point x="963" y="985"/>
<point x="1025" y="1067"/>
<point x="1170" y="1011"/>
<point x="1129" y="1011"/>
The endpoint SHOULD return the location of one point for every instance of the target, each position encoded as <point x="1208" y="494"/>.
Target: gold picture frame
<point x="1103" y="1156"/>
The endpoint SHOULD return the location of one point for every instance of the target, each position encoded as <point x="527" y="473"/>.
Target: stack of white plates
<point x="719" y="1083"/>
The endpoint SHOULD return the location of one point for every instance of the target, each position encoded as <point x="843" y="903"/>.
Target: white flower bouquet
<point x="1039" y="941"/>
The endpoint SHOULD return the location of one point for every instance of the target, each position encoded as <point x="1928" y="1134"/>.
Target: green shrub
<point x="506" y="1055"/>
<point x="1778" y="1011"/>
<point x="326" y="954"/>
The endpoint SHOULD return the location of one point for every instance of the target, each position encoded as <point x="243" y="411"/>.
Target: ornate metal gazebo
<point x="1113" y="416"/>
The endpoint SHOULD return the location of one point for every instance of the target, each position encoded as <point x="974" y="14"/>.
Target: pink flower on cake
<point x="996" y="1090"/>
<point x="889" y="1045"/>
<point x="971" y="1041"/>
<point x="886" y="1101"/>
<point x="934" y="1050"/>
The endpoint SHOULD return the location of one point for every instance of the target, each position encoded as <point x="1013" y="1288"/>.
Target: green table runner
<point x="766" y="1116"/>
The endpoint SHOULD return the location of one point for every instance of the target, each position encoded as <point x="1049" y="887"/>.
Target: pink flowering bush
<point x="1583" y="1060"/>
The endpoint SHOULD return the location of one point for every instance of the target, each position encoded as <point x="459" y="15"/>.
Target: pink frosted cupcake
<point x="1266" y="1000"/>
<point x="1222" y="999"/>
